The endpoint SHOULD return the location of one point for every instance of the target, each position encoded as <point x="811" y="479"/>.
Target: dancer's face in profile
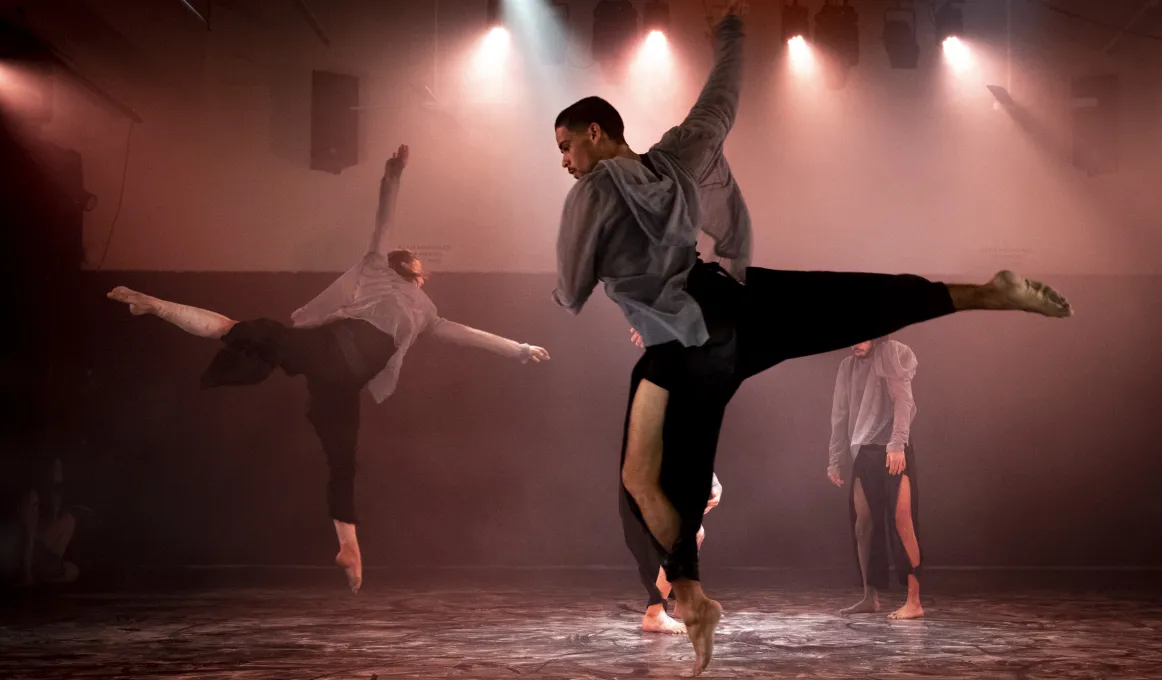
<point x="418" y="269"/>
<point x="862" y="349"/>
<point x="580" y="151"/>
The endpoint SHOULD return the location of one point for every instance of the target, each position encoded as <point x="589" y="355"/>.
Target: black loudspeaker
<point x="615" y="28"/>
<point x="334" y="121"/>
<point x="1096" y="124"/>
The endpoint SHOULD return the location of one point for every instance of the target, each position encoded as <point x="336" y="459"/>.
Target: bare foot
<point x="660" y="622"/>
<point x="139" y="303"/>
<point x="351" y="562"/>
<point x="701" y="621"/>
<point x="1030" y="296"/>
<point x="910" y="610"/>
<point x="868" y="605"/>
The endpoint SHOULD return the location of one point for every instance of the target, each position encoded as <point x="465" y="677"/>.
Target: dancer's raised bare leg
<point x="200" y="322"/>
<point x="1008" y="291"/>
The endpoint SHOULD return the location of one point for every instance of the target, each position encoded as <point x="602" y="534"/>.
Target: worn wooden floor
<point x="569" y="631"/>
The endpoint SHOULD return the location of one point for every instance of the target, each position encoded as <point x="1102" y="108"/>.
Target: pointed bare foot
<point x="910" y="610"/>
<point x="1030" y="296"/>
<point x="868" y="605"/>
<point x="139" y="303"/>
<point x="351" y="562"/>
<point x="701" y="621"/>
<point x="660" y="622"/>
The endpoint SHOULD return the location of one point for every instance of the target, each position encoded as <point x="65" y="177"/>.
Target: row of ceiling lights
<point x="616" y="28"/>
<point x="837" y="30"/>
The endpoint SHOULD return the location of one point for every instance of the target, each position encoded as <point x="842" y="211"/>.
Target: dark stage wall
<point x="1038" y="441"/>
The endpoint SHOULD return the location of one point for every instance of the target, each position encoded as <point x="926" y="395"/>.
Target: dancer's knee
<point x="639" y="483"/>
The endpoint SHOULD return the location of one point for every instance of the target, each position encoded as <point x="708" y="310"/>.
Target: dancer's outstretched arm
<point x="388" y="193"/>
<point x="459" y="334"/>
<point x="840" y="441"/>
<point x="698" y="143"/>
<point x="193" y="320"/>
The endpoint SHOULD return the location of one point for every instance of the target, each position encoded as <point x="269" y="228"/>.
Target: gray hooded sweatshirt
<point x="634" y="225"/>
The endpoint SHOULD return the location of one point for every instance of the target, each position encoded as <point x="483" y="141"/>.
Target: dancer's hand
<point x="715" y="499"/>
<point x="737" y="8"/>
<point x="714" y="17"/>
<point x="834" y="476"/>
<point x="398" y="161"/>
<point x="896" y="462"/>
<point x="636" y="338"/>
<point x="535" y="355"/>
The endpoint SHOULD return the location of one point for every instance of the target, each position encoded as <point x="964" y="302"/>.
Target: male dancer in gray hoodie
<point x="631" y="221"/>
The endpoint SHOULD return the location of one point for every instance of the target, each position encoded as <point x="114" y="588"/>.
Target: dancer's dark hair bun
<point x="401" y="260"/>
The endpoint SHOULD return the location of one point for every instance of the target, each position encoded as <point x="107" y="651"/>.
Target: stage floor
<point x="575" y="630"/>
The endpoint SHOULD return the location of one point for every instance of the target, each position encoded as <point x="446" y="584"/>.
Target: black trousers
<point x="337" y="359"/>
<point x="882" y="491"/>
<point x="777" y="315"/>
<point x="646" y="552"/>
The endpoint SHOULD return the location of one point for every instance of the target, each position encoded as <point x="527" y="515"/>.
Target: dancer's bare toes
<point x="701" y="620"/>
<point x="661" y="622"/>
<point x="1031" y="296"/>
<point x="139" y="303"/>
<point x="351" y="562"/>
<point x="910" y="610"/>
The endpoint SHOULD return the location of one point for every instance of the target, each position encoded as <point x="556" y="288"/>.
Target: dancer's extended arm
<point x="459" y="334"/>
<point x="388" y="193"/>
<point x="840" y="437"/>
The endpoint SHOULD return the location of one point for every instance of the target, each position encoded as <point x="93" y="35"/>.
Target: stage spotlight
<point x="656" y="16"/>
<point x="494" y="47"/>
<point x="656" y="46"/>
<point x="653" y="63"/>
<point x="837" y="33"/>
<point x="957" y="54"/>
<point x="615" y="31"/>
<point x="796" y="21"/>
<point x="949" y="22"/>
<point x="802" y="58"/>
<point x="900" y="38"/>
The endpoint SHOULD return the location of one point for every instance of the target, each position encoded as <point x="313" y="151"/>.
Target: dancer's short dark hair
<point x="578" y="116"/>
<point x="400" y="260"/>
